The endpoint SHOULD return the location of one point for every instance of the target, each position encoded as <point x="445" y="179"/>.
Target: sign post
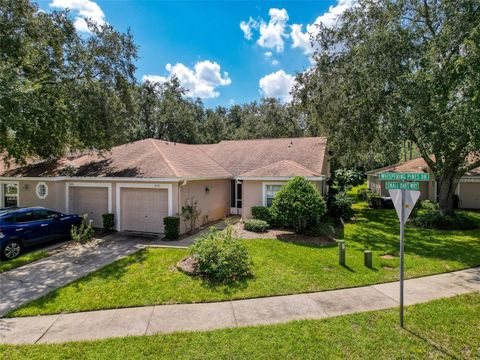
<point x="404" y="196"/>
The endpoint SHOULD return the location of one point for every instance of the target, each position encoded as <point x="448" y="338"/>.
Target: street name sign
<point x="389" y="185"/>
<point x="393" y="176"/>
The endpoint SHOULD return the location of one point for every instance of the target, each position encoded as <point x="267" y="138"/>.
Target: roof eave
<point x="274" y="178"/>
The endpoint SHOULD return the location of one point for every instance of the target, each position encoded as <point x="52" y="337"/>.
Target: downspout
<point x="180" y="185"/>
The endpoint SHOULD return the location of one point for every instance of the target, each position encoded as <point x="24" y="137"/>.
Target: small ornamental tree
<point x="299" y="204"/>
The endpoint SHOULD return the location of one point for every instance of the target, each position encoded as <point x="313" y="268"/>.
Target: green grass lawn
<point x="22" y="260"/>
<point x="150" y="277"/>
<point x="442" y="329"/>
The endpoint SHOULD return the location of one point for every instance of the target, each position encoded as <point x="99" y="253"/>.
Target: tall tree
<point x="390" y="71"/>
<point x="60" y="91"/>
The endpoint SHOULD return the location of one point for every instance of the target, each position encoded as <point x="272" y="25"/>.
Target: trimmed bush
<point x="84" y="232"/>
<point x="341" y="206"/>
<point x="428" y="205"/>
<point x="375" y="201"/>
<point x="108" y="222"/>
<point x="299" y="204"/>
<point x="220" y="256"/>
<point x="363" y="194"/>
<point x="171" y="226"/>
<point x="435" y="220"/>
<point x="261" y="213"/>
<point x="256" y="225"/>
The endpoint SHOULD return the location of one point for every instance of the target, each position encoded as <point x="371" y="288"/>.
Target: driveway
<point x="29" y="282"/>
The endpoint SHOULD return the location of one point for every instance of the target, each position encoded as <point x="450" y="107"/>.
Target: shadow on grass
<point x="227" y="287"/>
<point x="432" y="343"/>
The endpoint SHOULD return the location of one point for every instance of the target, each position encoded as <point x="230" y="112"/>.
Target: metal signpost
<point x="404" y="196"/>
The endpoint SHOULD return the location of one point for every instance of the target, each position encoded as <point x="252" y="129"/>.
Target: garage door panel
<point x="470" y="195"/>
<point x="92" y="201"/>
<point x="143" y="209"/>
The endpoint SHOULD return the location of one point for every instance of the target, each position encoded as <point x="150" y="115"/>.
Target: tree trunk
<point x="447" y="185"/>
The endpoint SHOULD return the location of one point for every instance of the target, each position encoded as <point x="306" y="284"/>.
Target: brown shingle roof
<point x="151" y="158"/>
<point x="241" y="156"/>
<point x="283" y="168"/>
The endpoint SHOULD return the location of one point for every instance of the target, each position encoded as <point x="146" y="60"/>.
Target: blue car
<point x="21" y="227"/>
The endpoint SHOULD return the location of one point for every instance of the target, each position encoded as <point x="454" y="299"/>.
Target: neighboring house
<point x="468" y="190"/>
<point x="144" y="181"/>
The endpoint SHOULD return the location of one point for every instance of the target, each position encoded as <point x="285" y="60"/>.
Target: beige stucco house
<point x="468" y="189"/>
<point x="144" y="181"/>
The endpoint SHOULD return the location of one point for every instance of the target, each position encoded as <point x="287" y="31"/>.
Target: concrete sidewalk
<point x="31" y="281"/>
<point x="207" y="316"/>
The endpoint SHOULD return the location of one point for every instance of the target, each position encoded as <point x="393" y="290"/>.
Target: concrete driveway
<point x="29" y="282"/>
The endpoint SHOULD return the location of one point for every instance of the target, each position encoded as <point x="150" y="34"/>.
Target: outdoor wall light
<point x="207" y="189"/>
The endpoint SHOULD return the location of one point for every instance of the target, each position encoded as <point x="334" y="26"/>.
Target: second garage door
<point x="470" y="195"/>
<point x="92" y="201"/>
<point x="143" y="209"/>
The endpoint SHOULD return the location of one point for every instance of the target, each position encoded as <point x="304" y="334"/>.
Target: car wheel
<point x="11" y="249"/>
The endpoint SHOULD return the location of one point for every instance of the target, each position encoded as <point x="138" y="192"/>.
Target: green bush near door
<point x="171" y="227"/>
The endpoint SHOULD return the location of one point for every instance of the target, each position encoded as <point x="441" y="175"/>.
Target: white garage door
<point x="92" y="201"/>
<point x="470" y="195"/>
<point x="143" y="210"/>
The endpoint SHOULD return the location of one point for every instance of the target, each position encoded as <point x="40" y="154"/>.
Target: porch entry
<point x="236" y="190"/>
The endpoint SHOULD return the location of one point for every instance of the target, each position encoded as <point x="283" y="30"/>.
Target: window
<point x="46" y="215"/>
<point x="10" y="195"/>
<point x="25" y="217"/>
<point x="270" y="192"/>
<point x="42" y="190"/>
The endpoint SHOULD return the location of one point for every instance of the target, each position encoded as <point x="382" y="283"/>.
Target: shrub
<point x="341" y="206"/>
<point x="171" y="227"/>
<point x="375" y="201"/>
<point x="108" y="222"/>
<point x="220" y="256"/>
<point x="428" y="205"/>
<point x="256" y="225"/>
<point x="363" y="194"/>
<point x="190" y="214"/>
<point x="344" y="179"/>
<point x="84" y="232"/>
<point x="435" y="220"/>
<point x="299" y="204"/>
<point x="264" y="213"/>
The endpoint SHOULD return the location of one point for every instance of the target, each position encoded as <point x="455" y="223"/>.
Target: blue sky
<point x="206" y="47"/>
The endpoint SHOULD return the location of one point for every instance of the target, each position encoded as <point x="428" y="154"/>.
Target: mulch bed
<point x="283" y="235"/>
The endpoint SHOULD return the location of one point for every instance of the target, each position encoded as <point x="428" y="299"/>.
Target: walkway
<point x="207" y="316"/>
<point x="31" y="281"/>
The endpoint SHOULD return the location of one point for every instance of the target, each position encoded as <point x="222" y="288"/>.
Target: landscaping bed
<point x="444" y="328"/>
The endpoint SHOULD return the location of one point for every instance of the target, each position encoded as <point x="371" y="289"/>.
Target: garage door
<point x="89" y="200"/>
<point x="470" y="195"/>
<point x="143" y="209"/>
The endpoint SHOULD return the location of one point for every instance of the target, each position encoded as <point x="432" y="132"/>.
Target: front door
<point x="236" y="190"/>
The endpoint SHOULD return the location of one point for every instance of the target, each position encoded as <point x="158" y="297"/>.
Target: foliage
<point x="256" y="225"/>
<point x="364" y="194"/>
<point x="190" y="214"/>
<point x="345" y="179"/>
<point x="264" y="213"/>
<point x="341" y="206"/>
<point x="84" y="232"/>
<point x="220" y="256"/>
<point x="299" y="204"/>
<point x="434" y="219"/>
<point x="172" y="227"/>
<point x="375" y="201"/>
<point x="393" y="71"/>
<point x="108" y="222"/>
<point x="60" y="91"/>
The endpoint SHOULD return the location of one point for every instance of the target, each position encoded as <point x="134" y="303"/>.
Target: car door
<point x="58" y="228"/>
<point x="30" y="229"/>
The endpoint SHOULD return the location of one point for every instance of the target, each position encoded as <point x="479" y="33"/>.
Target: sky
<point x="225" y="52"/>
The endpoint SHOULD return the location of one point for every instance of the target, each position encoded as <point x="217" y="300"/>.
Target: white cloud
<point x="268" y="54"/>
<point x="201" y="81"/>
<point x="247" y="28"/>
<point x="273" y="32"/>
<point x="275" y="62"/>
<point x="301" y="39"/>
<point x="83" y="9"/>
<point x="277" y="85"/>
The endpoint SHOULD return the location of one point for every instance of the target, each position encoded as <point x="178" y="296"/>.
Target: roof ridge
<point x="165" y="158"/>
<point x="284" y="138"/>
<point x="294" y="163"/>
<point x="383" y="168"/>
<point x="215" y="161"/>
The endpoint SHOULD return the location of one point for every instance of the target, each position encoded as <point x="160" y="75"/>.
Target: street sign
<point x="389" y="176"/>
<point x="404" y="201"/>
<point x="410" y="199"/>
<point x="389" y="185"/>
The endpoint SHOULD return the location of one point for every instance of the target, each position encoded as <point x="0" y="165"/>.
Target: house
<point x="144" y="181"/>
<point x="468" y="189"/>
